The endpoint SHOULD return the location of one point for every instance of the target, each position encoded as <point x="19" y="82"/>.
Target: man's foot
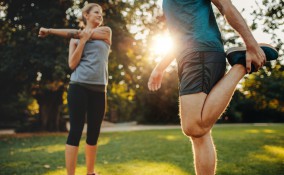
<point x="237" y="55"/>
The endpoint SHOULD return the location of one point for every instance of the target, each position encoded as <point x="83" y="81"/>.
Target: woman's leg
<point x="71" y="154"/>
<point x="77" y="104"/>
<point x="96" y="112"/>
<point x="91" y="154"/>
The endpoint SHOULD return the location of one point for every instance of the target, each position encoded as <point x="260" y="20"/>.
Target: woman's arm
<point x="66" y="33"/>
<point x="76" y="50"/>
<point x="100" y="33"/>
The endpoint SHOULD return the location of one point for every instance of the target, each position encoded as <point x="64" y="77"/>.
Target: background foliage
<point x="34" y="73"/>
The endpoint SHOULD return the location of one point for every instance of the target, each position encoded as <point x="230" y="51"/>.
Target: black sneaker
<point x="237" y="55"/>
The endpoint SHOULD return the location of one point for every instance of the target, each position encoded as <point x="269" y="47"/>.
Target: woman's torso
<point x="93" y="66"/>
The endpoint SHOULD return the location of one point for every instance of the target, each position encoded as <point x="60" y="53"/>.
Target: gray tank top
<point x="93" y="67"/>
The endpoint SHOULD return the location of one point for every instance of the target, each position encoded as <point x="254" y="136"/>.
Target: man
<point x="205" y="91"/>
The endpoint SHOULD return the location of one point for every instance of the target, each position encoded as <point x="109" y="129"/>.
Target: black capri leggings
<point x="82" y="101"/>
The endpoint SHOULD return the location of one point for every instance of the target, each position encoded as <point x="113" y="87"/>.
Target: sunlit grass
<point x="275" y="150"/>
<point x="269" y="153"/>
<point x="134" y="167"/>
<point x="137" y="167"/>
<point x="257" y="131"/>
<point x="48" y="149"/>
<point x="242" y="150"/>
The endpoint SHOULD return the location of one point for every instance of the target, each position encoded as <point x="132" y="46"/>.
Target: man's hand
<point x="254" y="54"/>
<point x="155" y="80"/>
<point x="43" y="32"/>
<point x="256" y="57"/>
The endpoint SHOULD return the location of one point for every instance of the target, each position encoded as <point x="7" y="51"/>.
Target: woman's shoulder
<point x="104" y="28"/>
<point x="106" y="32"/>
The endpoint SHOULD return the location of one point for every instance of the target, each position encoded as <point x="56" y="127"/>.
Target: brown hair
<point x="87" y="8"/>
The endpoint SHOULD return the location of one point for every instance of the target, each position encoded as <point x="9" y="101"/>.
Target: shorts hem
<point x="192" y="92"/>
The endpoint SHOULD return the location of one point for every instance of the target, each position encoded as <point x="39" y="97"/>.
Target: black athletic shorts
<point x="200" y="71"/>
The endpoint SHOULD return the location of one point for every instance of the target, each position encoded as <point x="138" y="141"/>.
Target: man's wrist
<point x="251" y="44"/>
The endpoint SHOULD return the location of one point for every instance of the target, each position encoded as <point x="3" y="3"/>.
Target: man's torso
<point x="193" y="26"/>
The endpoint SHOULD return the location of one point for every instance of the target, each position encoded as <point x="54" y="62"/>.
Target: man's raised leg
<point x="200" y="111"/>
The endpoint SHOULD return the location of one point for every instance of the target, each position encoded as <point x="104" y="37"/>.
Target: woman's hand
<point x="43" y="32"/>
<point x="86" y="34"/>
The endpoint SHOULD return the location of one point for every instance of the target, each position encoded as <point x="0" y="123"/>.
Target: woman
<point x="88" y="58"/>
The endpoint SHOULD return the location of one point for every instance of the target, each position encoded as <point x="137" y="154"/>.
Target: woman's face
<point x="95" y="16"/>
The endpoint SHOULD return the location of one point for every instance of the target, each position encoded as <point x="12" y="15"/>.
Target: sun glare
<point x="161" y="44"/>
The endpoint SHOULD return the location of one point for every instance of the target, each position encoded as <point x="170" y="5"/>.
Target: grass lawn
<point x="242" y="150"/>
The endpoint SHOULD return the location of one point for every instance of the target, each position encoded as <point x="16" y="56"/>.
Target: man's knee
<point x="193" y="130"/>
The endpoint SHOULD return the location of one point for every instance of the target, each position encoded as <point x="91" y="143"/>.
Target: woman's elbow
<point x="72" y="66"/>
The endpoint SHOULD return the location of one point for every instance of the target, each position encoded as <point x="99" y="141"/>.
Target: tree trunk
<point x="50" y="104"/>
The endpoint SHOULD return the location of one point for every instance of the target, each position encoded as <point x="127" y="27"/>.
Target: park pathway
<point x="133" y="126"/>
<point x="113" y="127"/>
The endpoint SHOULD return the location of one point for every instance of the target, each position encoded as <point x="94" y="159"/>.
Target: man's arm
<point x="155" y="80"/>
<point x="254" y="53"/>
<point x="100" y="33"/>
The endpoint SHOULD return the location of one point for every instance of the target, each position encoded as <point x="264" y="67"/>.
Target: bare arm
<point x="66" y="33"/>
<point x="155" y="80"/>
<point x="164" y="63"/>
<point x="100" y="33"/>
<point x="254" y="53"/>
<point x="75" y="51"/>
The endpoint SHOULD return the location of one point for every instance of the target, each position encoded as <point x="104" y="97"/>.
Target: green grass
<point x="242" y="150"/>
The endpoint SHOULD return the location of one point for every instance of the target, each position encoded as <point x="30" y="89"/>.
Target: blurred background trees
<point x="34" y="72"/>
<point x="260" y="96"/>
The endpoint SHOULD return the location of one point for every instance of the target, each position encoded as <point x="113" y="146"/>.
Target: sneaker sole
<point x="270" y="52"/>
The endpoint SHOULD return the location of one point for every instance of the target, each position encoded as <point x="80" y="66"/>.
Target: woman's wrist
<point x="49" y="31"/>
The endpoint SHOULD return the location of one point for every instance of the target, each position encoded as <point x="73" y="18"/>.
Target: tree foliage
<point x="33" y="68"/>
<point x="29" y="65"/>
<point x="261" y="98"/>
<point x="39" y="68"/>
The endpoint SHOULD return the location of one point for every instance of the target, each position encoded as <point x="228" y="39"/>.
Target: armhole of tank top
<point x="77" y="41"/>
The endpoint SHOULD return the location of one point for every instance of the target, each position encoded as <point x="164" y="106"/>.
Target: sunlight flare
<point x="161" y="44"/>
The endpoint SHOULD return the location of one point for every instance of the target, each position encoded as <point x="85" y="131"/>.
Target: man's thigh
<point x="200" y="71"/>
<point x="191" y="106"/>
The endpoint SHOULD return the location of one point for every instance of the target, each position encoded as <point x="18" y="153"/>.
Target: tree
<point x="262" y="99"/>
<point x="39" y="67"/>
<point x="33" y="65"/>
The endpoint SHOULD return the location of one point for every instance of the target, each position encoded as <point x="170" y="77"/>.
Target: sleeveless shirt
<point x="93" y="66"/>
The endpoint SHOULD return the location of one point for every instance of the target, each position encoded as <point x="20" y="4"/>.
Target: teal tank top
<point x="93" y="67"/>
<point x="192" y="25"/>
